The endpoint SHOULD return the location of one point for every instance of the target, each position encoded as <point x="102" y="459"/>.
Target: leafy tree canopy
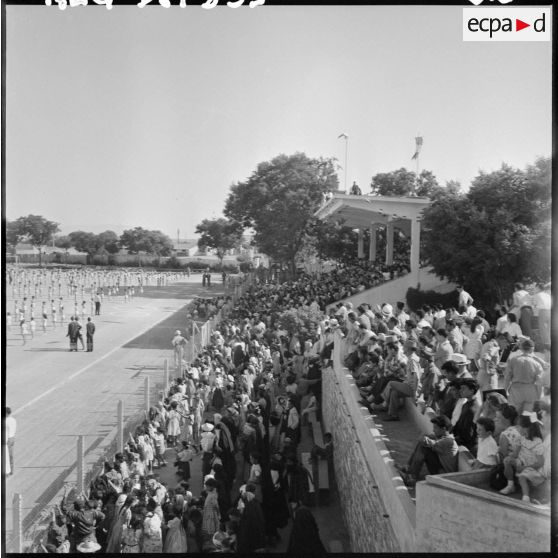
<point x="109" y="241"/>
<point x="83" y="241"/>
<point x="35" y="229"/>
<point x="219" y="234"/>
<point x="278" y="200"/>
<point x="139" y="239"/>
<point x="496" y="234"/>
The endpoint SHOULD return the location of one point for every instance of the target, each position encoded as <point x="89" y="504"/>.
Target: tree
<point x="401" y="183"/>
<point x="495" y="235"/>
<point x="278" y="200"/>
<point x="84" y="241"/>
<point x="141" y="240"/>
<point x="219" y="234"/>
<point x="109" y="241"/>
<point x="333" y="241"/>
<point x="37" y="230"/>
<point x="13" y="234"/>
<point x="63" y="242"/>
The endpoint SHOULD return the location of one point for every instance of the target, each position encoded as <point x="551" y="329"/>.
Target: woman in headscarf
<point x="122" y="518"/>
<point x="152" y="536"/>
<point x="211" y="513"/>
<point x="305" y="536"/>
<point x="251" y="529"/>
<point x="175" y="539"/>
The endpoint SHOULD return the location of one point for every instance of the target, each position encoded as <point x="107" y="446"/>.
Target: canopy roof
<point x="360" y="212"/>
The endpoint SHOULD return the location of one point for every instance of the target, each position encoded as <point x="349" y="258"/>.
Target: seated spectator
<point x="507" y="434"/>
<point x="530" y="453"/>
<point x="409" y="387"/>
<point x="431" y="378"/>
<point x="489" y="357"/>
<point x="437" y="451"/>
<point x="487" y="451"/>
<point x="538" y="477"/>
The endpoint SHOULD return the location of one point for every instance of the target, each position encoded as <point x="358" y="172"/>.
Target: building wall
<point x="458" y="517"/>
<point x="396" y="289"/>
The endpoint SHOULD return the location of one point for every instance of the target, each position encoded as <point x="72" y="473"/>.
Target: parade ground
<point x="56" y="395"/>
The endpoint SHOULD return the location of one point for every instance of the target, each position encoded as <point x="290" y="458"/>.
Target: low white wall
<point x="453" y="515"/>
<point x="395" y="290"/>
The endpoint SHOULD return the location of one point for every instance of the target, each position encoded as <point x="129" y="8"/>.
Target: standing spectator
<point x="305" y="535"/>
<point x="522" y="375"/>
<point x="84" y="521"/>
<point x="542" y="304"/>
<point x="444" y="350"/>
<point x="178" y="343"/>
<point x="487" y="376"/>
<point x="522" y="308"/>
<point x="89" y="332"/>
<point x="211" y="514"/>
<point x="97" y="301"/>
<point x="152" y="540"/>
<point x="465" y="429"/>
<point x="10" y="426"/>
<point x="464" y="297"/>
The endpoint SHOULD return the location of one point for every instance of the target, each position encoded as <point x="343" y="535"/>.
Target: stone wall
<point x="453" y="515"/>
<point x="378" y="511"/>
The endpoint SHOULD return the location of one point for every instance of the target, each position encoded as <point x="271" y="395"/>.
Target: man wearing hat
<point x="462" y="362"/>
<point x="438" y="451"/>
<point x="387" y="311"/>
<point x="521" y="377"/>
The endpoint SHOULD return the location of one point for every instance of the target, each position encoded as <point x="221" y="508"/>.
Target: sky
<point x="146" y="117"/>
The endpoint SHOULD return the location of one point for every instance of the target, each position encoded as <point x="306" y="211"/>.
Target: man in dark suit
<point x="90" y="331"/>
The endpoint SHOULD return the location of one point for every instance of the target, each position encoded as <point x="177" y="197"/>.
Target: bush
<point x="172" y="263"/>
<point x="416" y="299"/>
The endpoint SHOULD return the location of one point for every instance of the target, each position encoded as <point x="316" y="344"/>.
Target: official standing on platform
<point x="89" y="331"/>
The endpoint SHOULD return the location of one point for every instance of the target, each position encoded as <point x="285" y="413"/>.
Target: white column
<point x="389" y="243"/>
<point x="373" y="242"/>
<point x="415" y="247"/>
<point x="360" y="244"/>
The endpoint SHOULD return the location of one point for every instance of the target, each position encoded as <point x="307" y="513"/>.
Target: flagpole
<point x="346" y="151"/>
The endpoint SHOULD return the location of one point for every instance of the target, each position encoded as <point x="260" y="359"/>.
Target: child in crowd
<point x="530" y="453"/>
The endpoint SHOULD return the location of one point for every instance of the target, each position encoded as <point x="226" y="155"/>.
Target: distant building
<point x="186" y="247"/>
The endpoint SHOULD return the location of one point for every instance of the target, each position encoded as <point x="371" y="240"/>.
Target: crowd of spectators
<point x="467" y="372"/>
<point x="239" y="407"/>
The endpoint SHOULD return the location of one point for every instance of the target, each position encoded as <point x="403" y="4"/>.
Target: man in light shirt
<point x="10" y="425"/>
<point x="464" y="297"/>
<point x="541" y="308"/>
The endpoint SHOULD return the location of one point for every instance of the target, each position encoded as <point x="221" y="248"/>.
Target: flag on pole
<point x="343" y="135"/>
<point x="418" y="141"/>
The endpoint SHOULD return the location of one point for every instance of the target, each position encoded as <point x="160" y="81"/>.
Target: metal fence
<point x="25" y="535"/>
